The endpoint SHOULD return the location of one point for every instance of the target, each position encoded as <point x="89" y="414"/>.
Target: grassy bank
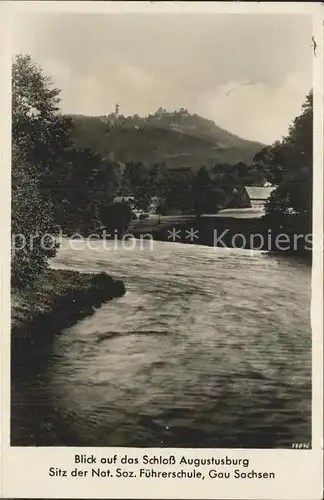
<point x="223" y="231"/>
<point x="205" y="229"/>
<point x="56" y="300"/>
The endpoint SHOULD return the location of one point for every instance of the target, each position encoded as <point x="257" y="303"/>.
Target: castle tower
<point x="117" y="110"/>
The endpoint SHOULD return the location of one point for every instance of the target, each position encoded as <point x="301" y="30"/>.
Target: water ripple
<point x="208" y="348"/>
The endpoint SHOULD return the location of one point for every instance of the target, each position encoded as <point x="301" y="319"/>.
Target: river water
<point x="210" y="347"/>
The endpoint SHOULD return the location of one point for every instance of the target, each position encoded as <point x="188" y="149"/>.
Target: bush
<point x="116" y="217"/>
<point x="32" y="226"/>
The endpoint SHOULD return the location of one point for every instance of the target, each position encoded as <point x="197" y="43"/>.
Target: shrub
<point x="32" y="226"/>
<point x="116" y="217"/>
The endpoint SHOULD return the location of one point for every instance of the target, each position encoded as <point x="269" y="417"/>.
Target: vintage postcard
<point x="162" y="250"/>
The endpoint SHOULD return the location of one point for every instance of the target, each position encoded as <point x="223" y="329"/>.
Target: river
<point x="210" y="347"/>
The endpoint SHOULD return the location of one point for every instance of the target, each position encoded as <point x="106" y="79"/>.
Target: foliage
<point x="38" y="129"/>
<point x="289" y="164"/>
<point x="201" y="189"/>
<point x="39" y="134"/>
<point x="32" y="226"/>
<point x="136" y="182"/>
<point x="238" y="175"/>
<point x="115" y="218"/>
<point x="177" y="190"/>
<point x="73" y="173"/>
<point x="183" y="190"/>
<point x="79" y="186"/>
<point x="158" y="179"/>
<point x="73" y="183"/>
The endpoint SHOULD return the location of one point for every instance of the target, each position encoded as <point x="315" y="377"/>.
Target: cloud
<point x="255" y="110"/>
<point x="143" y="61"/>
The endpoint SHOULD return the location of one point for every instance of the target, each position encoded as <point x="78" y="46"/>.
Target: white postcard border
<point x="24" y="470"/>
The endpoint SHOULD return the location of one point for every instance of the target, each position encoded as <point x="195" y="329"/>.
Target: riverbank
<point x="221" y="231"/>
<point x="56" y="300"/>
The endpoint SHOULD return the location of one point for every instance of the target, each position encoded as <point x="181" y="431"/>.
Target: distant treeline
<point x="178" y="138"/>
<point x="56" y="184"/>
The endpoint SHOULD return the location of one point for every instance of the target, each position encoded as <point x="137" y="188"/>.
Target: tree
<point x="82" y="192"/>
<point x="202" y="187"/>
<point x="136" y="183"/>
<point x="38" y="128"/>
<point x="73" y="182"/>
<point x="33" y="228"/>
<point x="80" y="186"/>
<point x="115" y="218"/>
<point x="39" y="135"/>
<point x="177" y="190"/>
<point x="289" y="164"/>
<point x="158" y="177"/>
<point x="110" y="176"/>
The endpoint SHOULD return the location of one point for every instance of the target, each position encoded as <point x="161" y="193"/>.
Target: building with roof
<point x="258" y="195"/>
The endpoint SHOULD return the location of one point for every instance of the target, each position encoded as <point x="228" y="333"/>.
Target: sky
<point x="248" y="73"/>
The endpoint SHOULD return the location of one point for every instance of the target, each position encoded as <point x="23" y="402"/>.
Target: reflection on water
<point x="208" y="348"/>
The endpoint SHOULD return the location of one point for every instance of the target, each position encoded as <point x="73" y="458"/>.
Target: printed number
<point x="301" y="446"/>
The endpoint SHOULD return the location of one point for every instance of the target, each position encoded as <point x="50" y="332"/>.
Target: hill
<point x="178" y="138"/>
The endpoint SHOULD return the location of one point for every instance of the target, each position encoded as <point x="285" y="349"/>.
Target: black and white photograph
<point x="161" y="230"/>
